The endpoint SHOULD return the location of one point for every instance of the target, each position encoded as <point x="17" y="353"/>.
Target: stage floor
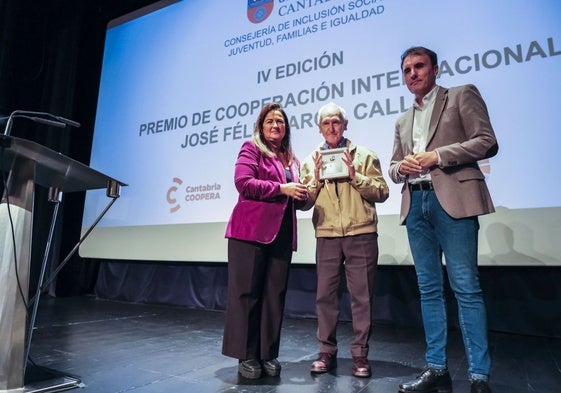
<point x="115" y="347"/>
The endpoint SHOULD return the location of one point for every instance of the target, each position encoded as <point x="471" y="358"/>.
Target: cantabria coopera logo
<point x="170" y="195"/>
<point x="176" y="195"/>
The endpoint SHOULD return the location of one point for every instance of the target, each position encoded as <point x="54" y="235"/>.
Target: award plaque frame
<point x="333" y="166"/>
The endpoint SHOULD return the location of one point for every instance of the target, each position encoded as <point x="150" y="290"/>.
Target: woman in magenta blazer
<point x="261" y="236"/>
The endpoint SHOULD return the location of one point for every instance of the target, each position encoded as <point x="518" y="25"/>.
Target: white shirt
<point x="421" y="123"/>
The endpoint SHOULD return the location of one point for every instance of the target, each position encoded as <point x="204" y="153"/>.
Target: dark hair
<point x="420" y="50"/>
<point x="259" y="138"/>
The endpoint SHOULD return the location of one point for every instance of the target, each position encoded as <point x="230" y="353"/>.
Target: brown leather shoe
<point x="361" y="367"/>
<point x="324" y="363"/>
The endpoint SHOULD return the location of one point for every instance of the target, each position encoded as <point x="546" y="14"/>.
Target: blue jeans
<point x="432" y="232"/>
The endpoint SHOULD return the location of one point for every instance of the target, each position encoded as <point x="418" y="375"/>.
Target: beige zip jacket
<point x="346" y="207"/>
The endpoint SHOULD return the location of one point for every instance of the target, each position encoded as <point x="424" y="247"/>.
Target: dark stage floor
<point x="121" y="347"/>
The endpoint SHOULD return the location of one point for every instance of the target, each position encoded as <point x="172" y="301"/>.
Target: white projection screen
<point x="182" y="83"/>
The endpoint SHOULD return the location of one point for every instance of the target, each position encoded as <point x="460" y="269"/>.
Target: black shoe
<point x="272" y="367"/>
<point x="429" y="381"/>
<point x="480" y="386"/>
<point x="250" y="369"/>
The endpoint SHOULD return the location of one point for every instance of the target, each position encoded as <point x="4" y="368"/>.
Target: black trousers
<point x="257" y="283"/>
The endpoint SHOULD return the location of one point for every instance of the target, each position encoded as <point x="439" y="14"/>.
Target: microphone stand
<point x="38" y="117"/>
<point x="55" y="196"/>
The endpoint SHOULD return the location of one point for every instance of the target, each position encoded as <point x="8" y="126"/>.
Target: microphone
<point x="39" y="117"/>
<point x="45" y="121"/>
<point x="69" y="122"/>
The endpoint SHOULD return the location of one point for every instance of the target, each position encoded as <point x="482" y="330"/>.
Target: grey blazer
<point x="460" y="130"/>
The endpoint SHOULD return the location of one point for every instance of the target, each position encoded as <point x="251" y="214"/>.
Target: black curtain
<point x="519" y="300"/>
<point x="50" y="61"/>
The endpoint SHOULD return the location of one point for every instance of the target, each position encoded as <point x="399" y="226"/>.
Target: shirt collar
<point x="342" y="143"/>
<point x="428" y="99"/>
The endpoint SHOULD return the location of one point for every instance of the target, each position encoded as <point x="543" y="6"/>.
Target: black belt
<point x="422" y="186"/>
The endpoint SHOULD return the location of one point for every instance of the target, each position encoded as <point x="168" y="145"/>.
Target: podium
<point x="24" y="164"/>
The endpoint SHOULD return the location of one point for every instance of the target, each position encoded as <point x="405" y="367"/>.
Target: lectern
<point x="24" y="164"/>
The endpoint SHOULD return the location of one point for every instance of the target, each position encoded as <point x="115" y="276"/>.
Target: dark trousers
<point x="357" y="256"/>
<point x="257" y="282"/>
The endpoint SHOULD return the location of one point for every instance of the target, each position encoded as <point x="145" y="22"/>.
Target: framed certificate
<point x="333" y="166"/>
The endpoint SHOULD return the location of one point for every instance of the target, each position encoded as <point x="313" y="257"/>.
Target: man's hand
<point x="348" y="160"/>
<point x="418" y="163"/>
<point x="318" y="162"/>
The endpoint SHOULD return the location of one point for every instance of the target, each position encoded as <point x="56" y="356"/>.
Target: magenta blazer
<point x="258" y="213"/>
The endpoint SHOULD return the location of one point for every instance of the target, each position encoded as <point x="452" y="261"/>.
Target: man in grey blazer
<point x="437" y="145"/>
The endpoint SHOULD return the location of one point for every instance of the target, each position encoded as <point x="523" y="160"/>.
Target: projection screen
<point x="182" y="83"/>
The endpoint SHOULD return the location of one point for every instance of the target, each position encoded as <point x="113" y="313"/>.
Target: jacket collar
<point x="439" y="104"/>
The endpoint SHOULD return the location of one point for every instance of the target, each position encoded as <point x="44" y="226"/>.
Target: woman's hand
<point x="295" y="190"/>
